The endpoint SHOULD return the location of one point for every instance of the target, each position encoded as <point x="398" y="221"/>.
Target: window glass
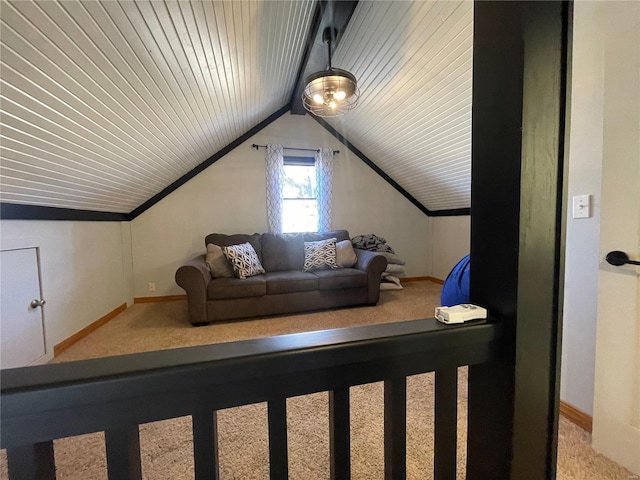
<point x="299" y="205"/>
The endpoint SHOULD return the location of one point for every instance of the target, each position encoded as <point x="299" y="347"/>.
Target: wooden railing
<point x="117" y="394"/>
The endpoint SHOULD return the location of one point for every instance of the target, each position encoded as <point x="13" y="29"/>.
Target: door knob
<point x="618" y="258"/>
<point x="36" y="303"/>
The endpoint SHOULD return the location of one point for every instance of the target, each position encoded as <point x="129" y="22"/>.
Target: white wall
<point x="451" y="240"/>
<point x="83" y="273"/>
<point x="582" y="235"/>
<point x="616" y="412"/>
<point x="229" y="197"/>
<point x="127" y="261"/>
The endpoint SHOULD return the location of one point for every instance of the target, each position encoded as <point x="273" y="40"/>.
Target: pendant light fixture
<point x="331" y="92"/>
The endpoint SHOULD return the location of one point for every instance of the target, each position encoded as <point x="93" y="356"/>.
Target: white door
<point x="616" y="415"/>
<point x="21" y="326"/>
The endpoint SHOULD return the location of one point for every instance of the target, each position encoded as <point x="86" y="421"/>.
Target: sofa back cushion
<point x="223" y="240"/>
<point x="282" y="251"/>
<point x="216" y="261"/>
<point x="339" y="235"/>
<point x="285" y="251"/>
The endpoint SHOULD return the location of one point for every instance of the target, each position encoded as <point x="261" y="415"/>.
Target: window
<point x="299" y="203"/>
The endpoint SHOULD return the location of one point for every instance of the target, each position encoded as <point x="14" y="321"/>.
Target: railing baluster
<point x="123" y="453"/>
<point x="278" y="454"/>
<point x="32" y="462"/>
<point x="446" y="428"/>
<point x="339" y="434"/>
<point x="205" y="444"/>
<point x="395" y="428"/>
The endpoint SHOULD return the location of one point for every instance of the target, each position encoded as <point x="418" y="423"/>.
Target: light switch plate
<point x="581" y="206"/>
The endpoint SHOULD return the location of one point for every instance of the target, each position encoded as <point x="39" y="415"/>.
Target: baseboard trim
<point x="576" y="416"/>
<point x="421" y="279"/>
<point x="79" y="335"/>
<point x="166" y="298"/>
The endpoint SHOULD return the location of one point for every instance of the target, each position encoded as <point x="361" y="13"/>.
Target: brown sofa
<point x="285" y="287"/>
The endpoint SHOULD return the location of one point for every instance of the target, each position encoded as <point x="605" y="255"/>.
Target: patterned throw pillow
<point x="320" y="255"/>
<point x="244" y="260"/>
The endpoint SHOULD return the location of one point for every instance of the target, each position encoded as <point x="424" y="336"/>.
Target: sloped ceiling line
<point x="387" y="178"/>
<point x="11" y="211"/>
<point x="207" y="163"/>
<point x="30" y="212"/>
<point x="413" y="61"/>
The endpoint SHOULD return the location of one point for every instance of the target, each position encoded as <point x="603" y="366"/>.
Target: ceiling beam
<point x="328" y="14"/>
<point x="15" y="211"/>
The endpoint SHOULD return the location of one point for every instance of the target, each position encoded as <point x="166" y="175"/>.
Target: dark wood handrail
<point x="43" y="403"/>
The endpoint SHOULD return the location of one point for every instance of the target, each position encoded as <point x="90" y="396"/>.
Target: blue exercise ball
<point x="455" y="289"/>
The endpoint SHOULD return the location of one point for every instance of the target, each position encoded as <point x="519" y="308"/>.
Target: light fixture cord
<point x="329" y="47"/>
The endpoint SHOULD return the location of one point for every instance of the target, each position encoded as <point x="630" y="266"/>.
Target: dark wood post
<point x="446" y="424"/>
<point x="205" y="444"/>
<point x="516" y="212"/>
<point x="32" y="462"/>
<point x="395" y="428"/>
<point x="278" y="450"/>
<point x="340" y="434"/>
<point x="538" y="339"/>
<point x="123" y="453"/>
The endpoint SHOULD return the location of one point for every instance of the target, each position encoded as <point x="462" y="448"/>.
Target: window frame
<point x="301" y="161"/>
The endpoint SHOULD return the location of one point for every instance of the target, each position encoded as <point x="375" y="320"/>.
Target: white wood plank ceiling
<point x="103" y="104"/>
<point x="413" y="62"/>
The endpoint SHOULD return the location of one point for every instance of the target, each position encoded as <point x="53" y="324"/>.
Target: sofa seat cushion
<point x="290" y="281"/>
<point x="341" y="278"/>
<point x="224" y="288"/>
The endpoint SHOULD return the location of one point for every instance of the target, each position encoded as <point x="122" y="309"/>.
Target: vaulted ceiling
<point x="105" y="104"/>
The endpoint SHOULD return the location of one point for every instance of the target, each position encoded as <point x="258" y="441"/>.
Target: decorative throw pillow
<point x="345" y="254"/>
<point x="244" y="260"/>
<point x="320" y="255"/>
<point x="217" y="262"/>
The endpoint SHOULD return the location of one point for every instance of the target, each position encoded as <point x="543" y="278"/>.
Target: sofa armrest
<point x="374" y="264"/>
<point x="194" y="276"/>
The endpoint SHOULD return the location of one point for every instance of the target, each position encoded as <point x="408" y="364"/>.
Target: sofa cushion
<point x="345" y="254"/>
<point x="341" y="278"/>
<point x="243" y="259"/>
<point x="224" y="288"/>
<point x="290" y="281"/>
<point x="226" y="240"/>
<point x="339" y="235"/>
<point x="320" y="255"/>
<point x="217" y="262"/>
<point x="282" y="251"/>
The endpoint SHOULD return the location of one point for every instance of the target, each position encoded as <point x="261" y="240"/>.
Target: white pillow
<point x="392" y="258"/>
<point x="395" y="269"/>
<point x="345" y="254"/>
<point x="244" y="260"/>
<point x="217" y="262"/>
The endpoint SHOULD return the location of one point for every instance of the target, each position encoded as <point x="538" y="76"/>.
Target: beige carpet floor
<point x="167" y="446"/>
